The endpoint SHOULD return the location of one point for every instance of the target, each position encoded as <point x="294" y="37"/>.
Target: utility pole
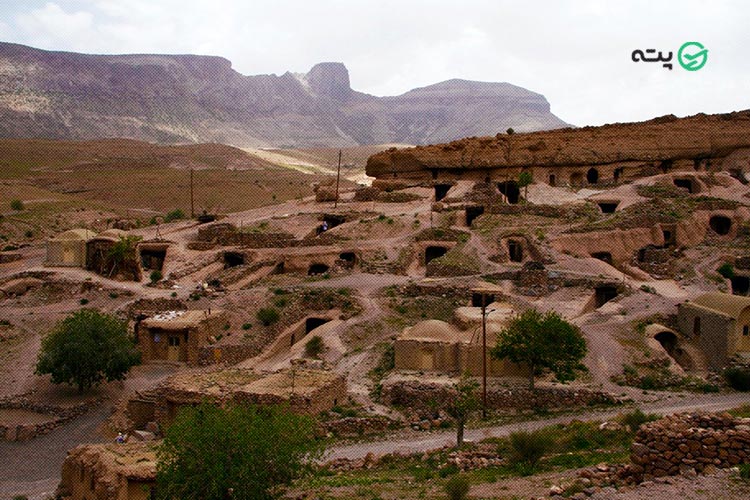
<point x="192" y="201"/>
<point x="484" y="355"/>
<point x="338" y="178"/>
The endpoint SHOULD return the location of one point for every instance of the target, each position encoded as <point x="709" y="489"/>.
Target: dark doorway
<point x="604" y="294"/>
<point x="431" y="253"/>
<point x="515" y="251"/>
<point x="153" y="259"/>
<point x="576" y="179"/>
<point x="510" y="190"/>
<point x="441" y="191"/>
<point x="348" y="257"/>
<point x="434" y="172"/>
<point x="684" y="184"/>
<point x="312" y="323"/>
<point x="668" y="237"/>
<point x="608" y="207"/>
<point x="618" y="173"/>
<point x="666" y="166"/>
<point x="476" y="299"/>
<point x="721" y="224"/>
<point x="329" y="222"/>
<point x="317" y="268"/>
<point x="668" y="341"/>
<point x="740" y="285"/>
<point x="233" y="259"/>
<point x="552" y="180"/>
<point x="472" y="213"/>
<point x="592" y="176"/>
<point x="603" y="256"/>
<point x="279" y="268"/>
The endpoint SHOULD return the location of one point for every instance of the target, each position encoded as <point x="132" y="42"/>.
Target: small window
<point x="746" y="330"/>
<point x="697" y="326"/>
<point x="174" y="341"/>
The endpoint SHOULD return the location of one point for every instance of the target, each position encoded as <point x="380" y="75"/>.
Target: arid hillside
<point x="190" y="98"/>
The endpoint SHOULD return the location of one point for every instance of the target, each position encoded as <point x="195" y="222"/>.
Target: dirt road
<point x="419" y="442"/>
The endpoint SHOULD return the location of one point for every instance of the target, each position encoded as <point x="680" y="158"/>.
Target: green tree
<point x="86" y="348"/>
<point x="122" y="255"/>
<point x="524" y="179"/>
<point x="240" y="452"/>
<point x="543" y="342"/>
<point x="462" y="405"/>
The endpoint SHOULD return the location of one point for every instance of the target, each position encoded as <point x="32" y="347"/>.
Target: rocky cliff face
<point x="663" y="141"/>
<point x="185" y="98"/>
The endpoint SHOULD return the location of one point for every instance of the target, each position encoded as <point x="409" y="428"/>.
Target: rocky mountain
<point x="187" y="98"/>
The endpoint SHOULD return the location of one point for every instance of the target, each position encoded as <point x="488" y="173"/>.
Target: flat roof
<point x="178" y="320"/>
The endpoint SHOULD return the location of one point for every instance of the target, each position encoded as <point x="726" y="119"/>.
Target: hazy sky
<point x="576" y="53"/>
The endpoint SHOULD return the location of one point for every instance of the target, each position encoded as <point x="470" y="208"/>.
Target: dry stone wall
<point x="678" y="443"/>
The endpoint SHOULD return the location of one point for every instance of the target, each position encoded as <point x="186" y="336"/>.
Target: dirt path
<point x="420" y="442"/>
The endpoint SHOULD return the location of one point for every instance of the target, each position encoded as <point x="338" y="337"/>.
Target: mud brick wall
<point x="679" y="442"/>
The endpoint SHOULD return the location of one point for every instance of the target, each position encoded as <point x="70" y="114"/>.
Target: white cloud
<point x="575" y="53"/>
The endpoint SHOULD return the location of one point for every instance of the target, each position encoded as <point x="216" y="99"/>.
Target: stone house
<point x="108" y="472"/>
<point x="178" y="335"/>
<point x="437" y="346"/>
<point x="306" y="391"/>
<point x="68" y="249"/>
<point x="719" y="324"/>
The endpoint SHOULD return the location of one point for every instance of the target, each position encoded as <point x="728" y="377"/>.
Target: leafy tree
<point x="524" y="179"/>
<point x="241" y="452"/>
<point x="543" y="342"/>
<point x="122" y="255"/>
<point x="86" y="348"/>
<point x="457" y="487"/>
<point x="463" y="405"/>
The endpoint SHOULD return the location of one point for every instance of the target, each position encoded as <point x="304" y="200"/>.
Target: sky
<point x="578" y="54"/>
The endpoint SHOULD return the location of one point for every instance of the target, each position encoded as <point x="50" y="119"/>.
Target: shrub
<point x="738" y="378"/>
<point x="175" y="214"/>
<point x="457" y="487"/>
<point x="16" y="205"/>
<point x="83" y="302"/>
<point x="510" y="131"/>
<point x="247" y="326"/>
<point x="314" y="347"/>
<point x="744" y="472"/>
<point x="636" y="418"/>
<point x="155" y="276"/>
<point x="267" y="315"/>
<point x="726" y="270"/>
<point x="528" y="448"/>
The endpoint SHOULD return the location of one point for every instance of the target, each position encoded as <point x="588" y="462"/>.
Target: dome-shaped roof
<point x="432" y="330"/>
<point x="113" y="234"/>
<point x="76" y="234"/>
<point x="730" y="305"/>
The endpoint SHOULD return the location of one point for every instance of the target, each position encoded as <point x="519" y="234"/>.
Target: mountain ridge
<point x="186" y="98"/>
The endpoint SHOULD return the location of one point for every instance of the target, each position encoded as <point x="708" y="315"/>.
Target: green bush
<point x="16" y="205"/>
<point x="457" y="487"/>
<point x="726" y="270"/>
<point x="155" y="276"/>
<point x="528" y="449"/>
<point x="314" y="347"/>
<point x="267" y="315"/>
<point x="175" y="214"/>
<point x="636" y="418"/>
<point x="738" y="378"/>
<point x="744" y="472"/>
<point x="247" y="326"/>
<point x="83" y="302"/>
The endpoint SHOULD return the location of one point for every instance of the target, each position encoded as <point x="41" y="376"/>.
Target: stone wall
<point x="423" y="397"/>
<point x="58" y="416"/>
<point x="678" y="443"/>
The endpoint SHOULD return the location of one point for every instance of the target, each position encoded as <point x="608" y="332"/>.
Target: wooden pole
<point x="192" y="200"/>
<point x="484" y="355"/>
<point x="338" y="178"/>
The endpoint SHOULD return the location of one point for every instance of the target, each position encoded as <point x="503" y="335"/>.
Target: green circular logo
<point x="692" y="56"/>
